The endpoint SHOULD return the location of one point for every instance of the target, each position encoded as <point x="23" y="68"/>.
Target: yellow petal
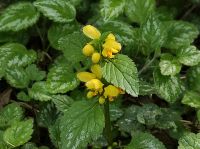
<point x="91" y="32"/>
<point x="101" y="100"/>
<point x="88" y="50"/>
<point x="112" y="44"/>
<point x="85" y="76"/>
<point x="94" y="84"/>
<point x="107" y="53"/>
<point x="111" y="91"/>
<point x="110" y="37"/>
<point x="97" y="70"/>
<point x="90" y="94"/>
<point x="96" y="57"/>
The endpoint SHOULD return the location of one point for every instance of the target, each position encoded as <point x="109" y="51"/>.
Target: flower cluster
<point x="92" y="79"/>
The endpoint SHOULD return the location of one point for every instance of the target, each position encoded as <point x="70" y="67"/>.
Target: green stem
<point x="108" y="131"/>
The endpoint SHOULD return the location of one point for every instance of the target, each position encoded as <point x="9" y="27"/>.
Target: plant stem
<point x="108" y="131"/>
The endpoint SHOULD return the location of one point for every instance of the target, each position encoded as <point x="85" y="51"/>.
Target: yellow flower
<point x="85" y="76"/>
<point x="109" y="52"/>
<point x="91" y="32"/>
<point x="97" y="70"/>
<point x="94" y="84"/>
<point x="112" y="44"/>
<point x="88" y="50"/>
<point x="91" y="94"/>
<point x="101" y="100"/>
<point x="96" y="57"/>
<point x="110" y="37"/>
<point x="110" y="92"/>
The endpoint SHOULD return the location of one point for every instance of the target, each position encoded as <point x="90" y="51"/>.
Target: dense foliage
<point x="78" y="74"/>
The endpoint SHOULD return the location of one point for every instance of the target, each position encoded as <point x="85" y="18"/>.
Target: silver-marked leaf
<point x="145" y="141"/>
<point x="17" y="77"/>
<point x="79" y="127"/>
<point x="139" y="10"/>
<point x="19" y="133"/>
<point x="111" y="9"/>
<point x="169" y="65"/>
<point x="189" y="56"/>
<point x="122" y="72"/>
<point x="34" y="73"/>
<point x="180" y="34"/>
<point x="57" y="10"/>
<point x="61" y="79"/>
<point x="14" y="55"/>
<point x="192" y="98"/>
<point x="189" y="141"/>
<point x="168" y="87"/>
<point x="193" y="77"/>
<point x="39" y="91"/>
<point x="18" y="16"/>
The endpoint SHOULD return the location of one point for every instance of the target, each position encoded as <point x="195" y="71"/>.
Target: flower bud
<point x="111" y="91"/>
<point x="94" y="84"/>
<point x="110" y="37"/>
<point x="97" y="70"/>
<point x="91" y="32"/>
<point x="85" y="76"/>
<point x="96" y="57"/>
<point x="101" y="100"/>
<point x="88" y="50"/>
<point x="90" y="94"/>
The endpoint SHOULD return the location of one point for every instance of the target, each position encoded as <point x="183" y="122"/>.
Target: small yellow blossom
<point x="101" y="100"/>
<point x="91" y="32"/>
<point x="108" y="52"/>
<point x="110" y="37"/>
<point x="97" y="70"/>
<point x="111" y="91"/>
<point x="91" y="94"/>
<point x="112" y="44"/>
<point x="88" y="50"/>
<point x="96" y="57"/>
<point x="85" y="76"/>
<point x="94" y="84"/>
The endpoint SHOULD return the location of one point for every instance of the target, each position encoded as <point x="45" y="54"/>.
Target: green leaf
<point x="122" y="72"/>
<point x="189" y="56"/>
<point x="71" y="45"/>
<point x="139" y="10"/>
<point x="111" y="9"/>
<point x="58" y="11"/>
<point x="23" y="96"/>
<point x="123" y="31"/>
<point x="115" y="112"/>
<point x="152" y="35"/>
<point x="57" y="31"/>
<point x="34" y="73"/>
<point x="191" y="98"/>
<point x="198" y="115"/>
<point x="29" y="145"/>
<point x="189" y="141"/>
<point x="15" y="55"/>
<point x="39" y="91"/>
<point x="54" y="134"/>
<point x="47" y="115"/>
<point x="17" y="77"/>
<point x="79" y="127"/>
<point x="10" y="114"/>
<point x="148" y="114"/>
<point x="3" y="144"/>
<point x="128" y="122"/>
<point x="18" y="16"/>
<point x="146" y="88"/>
<point x="61" y="79"/>
<point x="180" y="34"/>
<point x="168" y="87"/>
<point x="62" y="102"/>
<point x="193" y="77"/>
<point x="145" y="141"/>
<point x="19" y="133"/>
<point x="169" y="65"/>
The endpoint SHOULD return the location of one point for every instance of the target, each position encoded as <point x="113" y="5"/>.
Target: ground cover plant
<point x="114" y="74"/>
